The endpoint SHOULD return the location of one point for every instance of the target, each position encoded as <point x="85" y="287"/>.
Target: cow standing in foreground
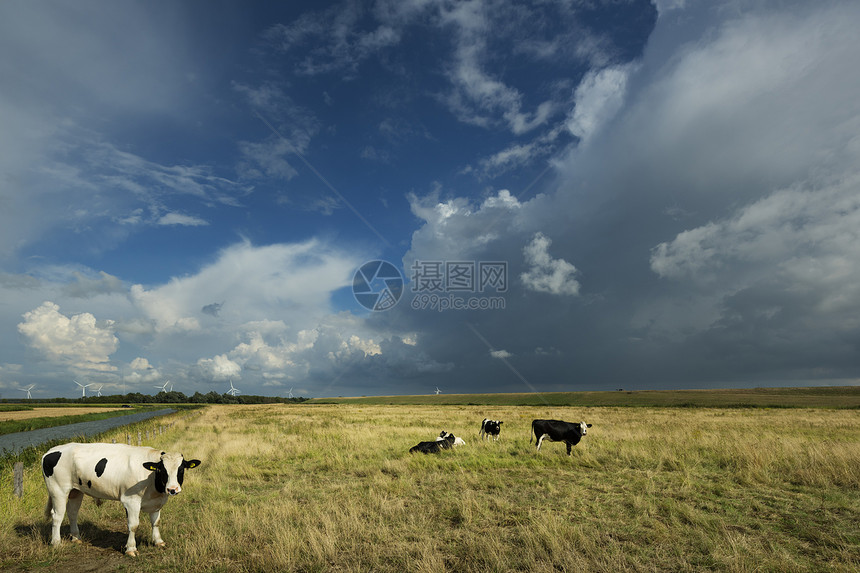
<point x="138" y="477"/>
<point x="491" y="428"/>
<point x="557" y="431"/>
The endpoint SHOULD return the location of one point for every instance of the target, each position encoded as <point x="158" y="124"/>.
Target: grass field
<point x="800" y="397"/>
<point x="332" y="488"/>
<point x="48" y="412"/>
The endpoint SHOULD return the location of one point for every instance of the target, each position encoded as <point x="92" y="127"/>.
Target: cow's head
<point x="584" y="427"/>
<point x="451" y="437"/>
<point x="170" y="472"/>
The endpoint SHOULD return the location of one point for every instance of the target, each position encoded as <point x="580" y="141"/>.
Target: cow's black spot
<point x="160" y="478"/>
<point x="80" y="482"/>
<point x="100" y="467"/>
<point x="89" y="484"/>
<point x="49" y="462"/>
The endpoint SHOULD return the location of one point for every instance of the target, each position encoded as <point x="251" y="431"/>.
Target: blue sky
<point x="669" y="189"/>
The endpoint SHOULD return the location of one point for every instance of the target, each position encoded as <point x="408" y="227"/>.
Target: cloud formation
<point x="545" y="274"/>
<point x="78" y="341"/>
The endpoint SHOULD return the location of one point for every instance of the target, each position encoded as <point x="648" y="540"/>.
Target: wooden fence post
<point x="128" y="439"/>
<point x="113" y="441"/>
<point x="18" y="486"/>
<point x="138" y="437"/>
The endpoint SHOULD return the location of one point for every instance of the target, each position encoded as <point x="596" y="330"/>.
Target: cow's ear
<point x="588" y="425"/>
<point x="500" y="422"/>
<point x="191" y="463"/>
<point x="151" y="466"/>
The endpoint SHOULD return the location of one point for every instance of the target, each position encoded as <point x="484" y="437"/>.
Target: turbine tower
<point x="99" y="391"/>
<point x="27" y="390"/>
<point x="291" y="392"/>
<point x="83" y="388"/>
<point x="438" y="391"/>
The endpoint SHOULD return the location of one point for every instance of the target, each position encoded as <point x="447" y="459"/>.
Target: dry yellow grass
<point x="51" y="412"/>
<point x="332" y="488"/>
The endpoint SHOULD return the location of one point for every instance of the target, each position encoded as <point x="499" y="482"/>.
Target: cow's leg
<point x="569" y="447"/>
<point x="155" y="518"/>
<point x="72" y="508"/>
<point x="132" y="513"/>
<point x="56" y="509"/>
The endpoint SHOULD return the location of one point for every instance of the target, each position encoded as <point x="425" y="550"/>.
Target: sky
<point x="399" y="196"/>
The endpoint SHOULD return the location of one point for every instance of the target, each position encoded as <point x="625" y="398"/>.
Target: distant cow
<point x="491" y="428"/>
<point x="140" y="478"/>
<point x="557" y="431"/>
<point x="435" y="446"/>
<point x="457" y="440"/>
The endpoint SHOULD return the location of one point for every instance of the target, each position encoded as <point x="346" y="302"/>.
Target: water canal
<point x="14" y="443"/>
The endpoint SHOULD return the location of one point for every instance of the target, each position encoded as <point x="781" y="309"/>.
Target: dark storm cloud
<point x="711" y="224"/>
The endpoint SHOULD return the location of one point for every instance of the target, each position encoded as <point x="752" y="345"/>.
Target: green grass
<point x="814" y="397"/>
<point x="14" y="408"/>
<point x="332" y="488"/>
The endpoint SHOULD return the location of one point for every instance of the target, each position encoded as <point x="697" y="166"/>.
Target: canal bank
<point x="14" y="443"/>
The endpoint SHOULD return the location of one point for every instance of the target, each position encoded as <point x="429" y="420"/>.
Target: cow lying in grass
<point x="445" y="442"/>
<point x="457" y="441"/>
<point x="140" y="478"/>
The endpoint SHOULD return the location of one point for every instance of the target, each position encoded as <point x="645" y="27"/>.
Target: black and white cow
<point x="435" y="446"/>
<point x="491" y="428"/>
<point x="557" y="431"/>
<point x="457" y="440"/>
<point x="140" y="478"/>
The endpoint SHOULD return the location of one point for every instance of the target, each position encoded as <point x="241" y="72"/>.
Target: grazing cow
<point x="557" y="431"/>
<point x="138" y="477"/>
<point x="435" y="446"/>
<point x="491" y="428"/>
<point x="457" y="441"/>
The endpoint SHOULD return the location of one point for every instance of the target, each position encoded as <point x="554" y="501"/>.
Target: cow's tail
<point x="531" y="435"/>
<point x="49" y="508"/>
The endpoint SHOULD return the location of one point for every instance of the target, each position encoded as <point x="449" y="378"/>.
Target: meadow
<point x="332" y="488"/>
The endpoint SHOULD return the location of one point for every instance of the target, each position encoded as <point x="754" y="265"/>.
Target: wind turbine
<point x="233" y="390"/>
<point x="438" y="391"/>
<point x="291" y="392"/>
<point x="163" y="388"/>
<point x="83" y="388"/>
<point x="99" y="391"/>
<point x="27" y="390"/>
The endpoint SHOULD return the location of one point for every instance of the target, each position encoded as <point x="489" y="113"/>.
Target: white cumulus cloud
<point x="77" y="341"/>
<point x="555" y="276"/>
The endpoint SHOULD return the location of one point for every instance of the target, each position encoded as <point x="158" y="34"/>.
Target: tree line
<point x="172" y="397"/>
